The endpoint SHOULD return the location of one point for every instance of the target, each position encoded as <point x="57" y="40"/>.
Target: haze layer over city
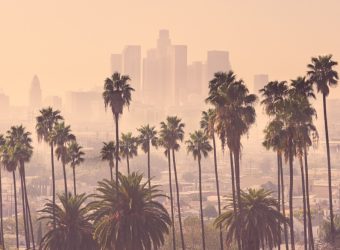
<point x="181" y="59"/>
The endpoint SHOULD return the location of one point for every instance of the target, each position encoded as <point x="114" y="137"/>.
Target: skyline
<point x="69" y="53"/>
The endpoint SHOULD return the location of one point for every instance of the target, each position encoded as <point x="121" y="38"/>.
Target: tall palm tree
<point x="108" y="153"/>
<point x="44" y="127"/>
<point x="10" y="165"/>
<point x="116" y="95"/>
<point x="2" y="242"/>
<point x="128" y="148"/>
<point x="301" y="91"/>
<point x="129" y="217"/>
<point x="198" y="145"/>
<point x="322" y="74"/>
<point x="273" y="97"/>
<point x="258" y="220"/>
<point x="208" y="125"/>
<point x="75" y="155"/>
<point x="147" y="138"/>
<point x="60" y="136"/>
<point x="163" y="141"/>
<point x="173" y="128"/>
<point x="20" y="141"/>
<point x="73" y="228"/>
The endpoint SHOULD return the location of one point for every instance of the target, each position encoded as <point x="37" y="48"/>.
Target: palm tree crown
<point x="198" y="145"/>
<point x="129" y="217"/>
<point x="45" y="123"/>
<point x="147" y="137"/>
<point x="128" y="145"/>
<point x="61" y="135"/>
<point x="208" y="122"/>
<point x="172" y="131"/>
<point x="72" y="229"/>
<point x="75" y="154"/>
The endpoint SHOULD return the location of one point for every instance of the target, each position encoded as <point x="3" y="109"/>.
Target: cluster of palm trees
<point x="126" y="212"/>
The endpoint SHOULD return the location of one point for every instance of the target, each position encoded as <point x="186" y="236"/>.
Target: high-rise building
<point x="4" y="106"/>
<point x="217" y="61"/>
<point x="116" y="63"/>
<point x="260" y="81"/>
<point x="132" y="66"/>
<point x="195" y="78"/>
<point x="35" y="94"/>
<point x="53" y="101"/>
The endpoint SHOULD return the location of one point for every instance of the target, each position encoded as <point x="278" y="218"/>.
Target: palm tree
<point x="258" y="220"/>
<point x="208" y="125"/>
<point x="116" y="95"/>
<point x="128" y="148"/>
<point x="75" y="155"/>
<point x="10" y="165"/>
<point x="301" y="90"/>
<point x="129" y="217"/>
<point x="73" y="229"/>
<point x="19" y="141"/>
<point x="108" y="153"/>
<point x="173" y="131"/>
<point x="147" y="138"/>
<point x="274" y="95"/>
<point x="323" y="75"/>
<point x="198" y="145"/>
<point x="163" y="141"/>
<point x="44" y="127"/>
<point x="2" y="242"/>
<point x="60" y="136"/>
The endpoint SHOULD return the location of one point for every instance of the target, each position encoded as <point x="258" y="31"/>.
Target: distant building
<point x="217" y="61"/>
<point x="195" y="78"/>
<point x="35" y="94"/>
<point x="132" y="66"/>
<point x="53" y="101"/>
<point x="259" y="82"/>
<point x="4" y="107"/>
<point x="116" y="63"/>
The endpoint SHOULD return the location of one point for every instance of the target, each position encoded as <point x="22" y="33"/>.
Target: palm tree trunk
<point x="117" y="148"/>
<point x="16" y="209"/>
<point x="171" y="204"/>
<point x="283" y="203"/>
<point x="26" y="229"/>
<point x="74" y="181"/>
<point x="2" y="242"/>
<point x="278" y="197"/>
<point x="291" y="211"/>
<point x="29" y="218"/>
<point x="329" y="168"/>
<point x="128" y="164"/>
<point x="149" y="168"/>
<point x="201" y="201"/>
<point x="178" y="202"/>
<point x="65" y="180"/>
<point x="111" y="172"/>
<point x="310" y="227"/>
<point x="233" y="189"/>
<point x="53" y="184"/>
<point x="304" y="203"/>
<point x="217" y="189"/>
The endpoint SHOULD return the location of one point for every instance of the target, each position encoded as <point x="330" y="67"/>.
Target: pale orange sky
<point x="67" y="43"/>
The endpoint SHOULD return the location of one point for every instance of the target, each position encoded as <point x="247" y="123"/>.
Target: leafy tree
<point x="129" y="217"/>
<point x="73" y="229"/>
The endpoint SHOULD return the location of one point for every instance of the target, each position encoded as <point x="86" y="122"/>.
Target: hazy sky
<point x="67" y="43"/>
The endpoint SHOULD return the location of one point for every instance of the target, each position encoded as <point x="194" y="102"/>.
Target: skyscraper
<point x="260" y="81"/>
<point x="35" y="94"/>
<point x="116" y="63"/>
<point x="195" y="78"/>
<point x="217" y="61"/>
<point x="132" y="66"/>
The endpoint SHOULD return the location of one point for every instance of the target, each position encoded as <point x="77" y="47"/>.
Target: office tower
<point x="217" y="61"/>
<point x="260" y="81"/>
<point x="163" y="42"/>
<point x="35" y="94"/>
<point x="132" y="66"/>
<point x="177" y="91"/>
<point x="53" y="101"/>
<point x="4" y="107"/>
<point x="195" y="78"/>
<point x="116" y="63"/>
